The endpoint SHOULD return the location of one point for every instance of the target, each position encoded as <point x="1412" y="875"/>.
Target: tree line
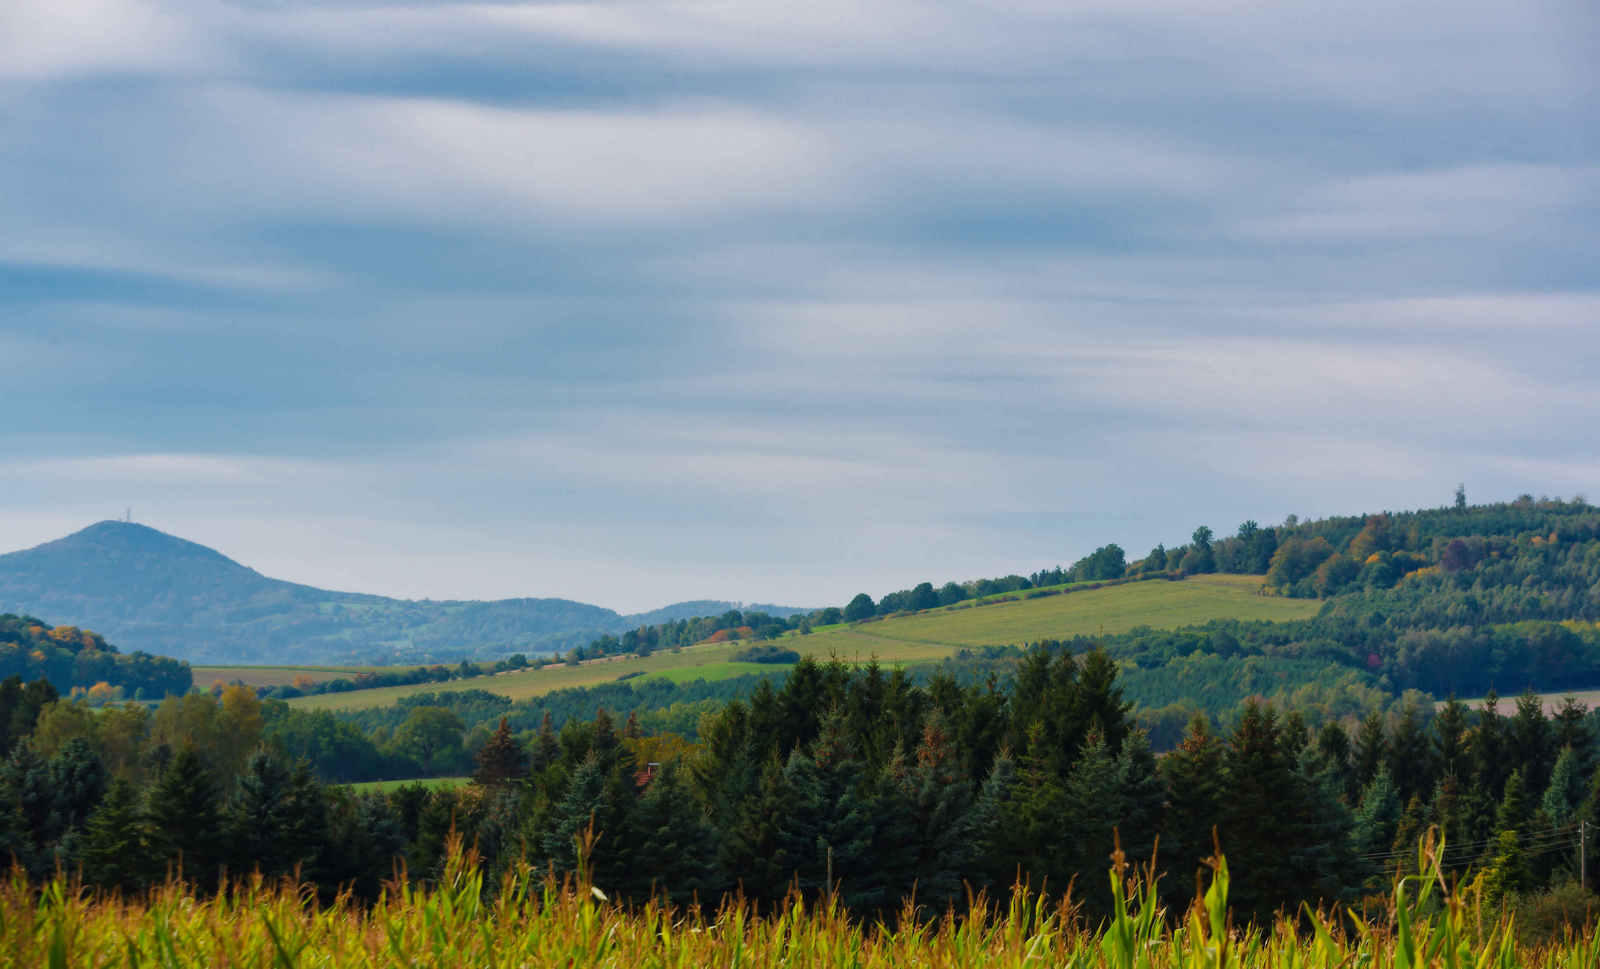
<point x="856" y="779"/>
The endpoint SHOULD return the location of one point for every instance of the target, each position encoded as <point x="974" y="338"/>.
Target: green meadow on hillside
<point x="917" y="638"/>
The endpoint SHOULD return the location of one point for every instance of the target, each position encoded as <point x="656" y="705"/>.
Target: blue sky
<point x="636" y="302"/>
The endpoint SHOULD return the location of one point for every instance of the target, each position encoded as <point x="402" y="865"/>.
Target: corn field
<point x="532" y="920"/>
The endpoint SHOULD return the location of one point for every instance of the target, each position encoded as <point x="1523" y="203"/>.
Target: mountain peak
<point x="124" y="539"/>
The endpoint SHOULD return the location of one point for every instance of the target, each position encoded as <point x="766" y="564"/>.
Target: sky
<point x="778" y="302"/>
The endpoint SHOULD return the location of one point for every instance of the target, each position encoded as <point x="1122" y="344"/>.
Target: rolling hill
<point x="147" y="590"/>
<point x="917" y="638"/>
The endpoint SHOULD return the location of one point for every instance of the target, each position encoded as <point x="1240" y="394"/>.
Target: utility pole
<point x="1583" y="854"/>
<point x="830" y="868"/>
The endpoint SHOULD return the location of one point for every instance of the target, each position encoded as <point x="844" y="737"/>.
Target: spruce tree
<point x="1571" y="729"/>
<point x="1195" y="795"/>
<point x="829" y="827"/>
<point x="1371" y="750"/>
<point x="1410" y="755"/>
<point x="1450" y="737"/>
<point x="573" y="815"/>
<point x="16" y="841"/>
<point x="1333" y="754"/>
<point x="1319" y="853"/>
<point x="1378" y="816"/>
<point x="751" y="851"/>
<point x="546" y="748"/>
<point x="78" y="780"/>
<point x="1532" y="742"/>
<point x="1143" y="794"/>
<point x="675" y="851"/>
<point x="186" y="813"/>
<point x="1041" y="844"/>
<point x="501" y="761"/>
<point x="1564" y="796"/>
<point x="278" y="818"/>
<point x="1261" y="815"/>
<point x="936" y="840"/>
<point x="26" y="784"/>
<point x="1094" y="801"/>
<point x="1449" y="812"/>
<point x="117" y="847"/>
<point x="999" y="845"/>
<point x="1514" y="812"/>
<point x="1490" y="749"/>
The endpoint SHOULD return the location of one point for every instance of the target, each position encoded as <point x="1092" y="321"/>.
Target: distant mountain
<point x="145" y="589"/>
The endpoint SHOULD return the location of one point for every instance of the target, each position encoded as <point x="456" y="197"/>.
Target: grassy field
<point x="922" y="637"/>
<point x="275" y="675"/>
<point x="1163" y="605"/>
<point x="383" y="787"/>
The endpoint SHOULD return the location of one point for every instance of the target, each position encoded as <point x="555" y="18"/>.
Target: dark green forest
<point x="882" y="783"/>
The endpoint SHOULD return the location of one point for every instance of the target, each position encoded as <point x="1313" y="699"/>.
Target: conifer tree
<point x="1038" y="804"/>
<point x="1532" y="742"/>
<point x="1378" y="816"/>
<point x="675" y="850"/>
<point x="1450" y="737"/>
<point x="829" y="826"/>
<point x="25" y="783"/>
<point x="1333" y="754"/>
<point x="1564" y="797"/>
<point x="1195" y="795"/>
<point x="78" y="780"/>
<point x="1261" y="816"/>
<point x="186" y="815"/>
<point x="1571" y="729"/>
<point x="1318" y="853"/>
<point x="117" y="848"/>
<point x="751" y="852"/>
<point x="1095" y="803"/>
<point x="935" y="842"/>
<point x="999" y="842"/>
<point x="1448" y="811"/>
<point x="1410" y="755"/>
<point x="16" y="841"/>
<point x="1371" y="750"/>
<point x="278" y="818"/>
<point x="1514" y="812"/>
<point x="1143" y="794"/>
<point x="546" y="748"/>
<point x="1490" y="750"/>
<point x="573" y="814"/>
<point x="501" y="761"/>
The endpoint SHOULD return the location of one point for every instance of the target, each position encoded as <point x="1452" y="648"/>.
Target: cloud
<point x="42" y="40"/>
<point x="781" y="302"/>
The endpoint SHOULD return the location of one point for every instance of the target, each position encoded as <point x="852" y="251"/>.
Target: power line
<point x="1568" y="836"/>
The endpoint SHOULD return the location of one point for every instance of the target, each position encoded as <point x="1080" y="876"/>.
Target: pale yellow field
<point x="1590" y="699"/>
<point x="923" y="637"/>
<point x="274" y="675"/>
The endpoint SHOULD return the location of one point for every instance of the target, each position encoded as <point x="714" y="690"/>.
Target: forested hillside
<point x="151" y="591"/>
<point x="70" y="658"/>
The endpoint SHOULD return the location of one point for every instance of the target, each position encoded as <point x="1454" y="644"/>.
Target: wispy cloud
<point x="643" y="301"/>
